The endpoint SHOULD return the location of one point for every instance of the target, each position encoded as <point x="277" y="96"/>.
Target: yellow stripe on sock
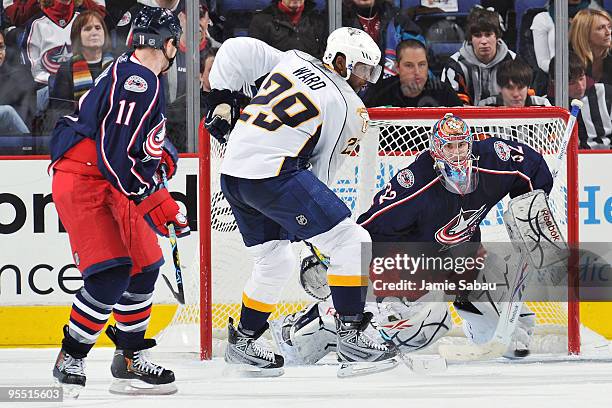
<point x="340" y="280"/>
<point x="257" y="305"/>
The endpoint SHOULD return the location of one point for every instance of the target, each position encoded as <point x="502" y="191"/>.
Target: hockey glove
<point x="159" y="209"/>
<point x="168" y="164"/>
<point x="223" y="112"/>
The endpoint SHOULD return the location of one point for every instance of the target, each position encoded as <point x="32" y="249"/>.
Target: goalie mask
<point x="450" y="145"/>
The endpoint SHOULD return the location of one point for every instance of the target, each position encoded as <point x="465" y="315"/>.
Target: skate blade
<point x="472" y="352"/>
<point x="425" y="365"/>
<point x="355" y="369"/>
<point x="138" y="387"/>
<point x="249" y="371"/>
<point x="71" y="391"/>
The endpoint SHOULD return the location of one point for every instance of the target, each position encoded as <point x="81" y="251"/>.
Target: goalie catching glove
<point x="223" y="113"/>
<point x="159" y="209"/>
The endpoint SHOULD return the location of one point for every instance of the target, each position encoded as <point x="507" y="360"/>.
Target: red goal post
<point x="400" y="133"/>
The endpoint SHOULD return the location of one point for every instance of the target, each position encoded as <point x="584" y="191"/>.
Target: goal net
<point x="395" y="136"/>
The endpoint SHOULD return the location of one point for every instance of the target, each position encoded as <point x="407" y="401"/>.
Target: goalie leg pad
<point x="479" y="320"/>
<point x="411" y="326"/>
<point x="313" y="334"/>
<point x="305" y="337"/>
<point x="532" y="228"/>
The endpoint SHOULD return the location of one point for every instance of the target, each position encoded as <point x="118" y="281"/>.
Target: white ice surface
<point x="576" y="384"/>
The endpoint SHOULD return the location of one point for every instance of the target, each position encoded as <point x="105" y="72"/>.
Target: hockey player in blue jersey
<point x="443" y="196"/>
<point x="107" y="161"/>
<point x="440" y="199"/>
<point x="283" y="152"/>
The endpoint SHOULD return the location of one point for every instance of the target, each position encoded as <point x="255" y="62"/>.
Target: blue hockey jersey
<point x="416" y="207"/>
<point x="124" y="114"/>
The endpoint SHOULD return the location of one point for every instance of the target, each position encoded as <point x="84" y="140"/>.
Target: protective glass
<point x="369" y="73"/>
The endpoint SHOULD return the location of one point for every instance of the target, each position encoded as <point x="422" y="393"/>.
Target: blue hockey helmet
<point x="153" y="26"/>
<point x="450" y="145"/>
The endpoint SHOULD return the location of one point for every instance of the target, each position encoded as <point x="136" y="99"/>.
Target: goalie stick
<point x="509" y="315"/>
<point x="178" y="294"/>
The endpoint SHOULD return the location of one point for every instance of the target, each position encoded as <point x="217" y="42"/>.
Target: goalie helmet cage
<point x="395" y="136"/>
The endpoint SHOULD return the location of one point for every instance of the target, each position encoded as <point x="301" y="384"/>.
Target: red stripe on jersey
<point x="515" y="172"/>
<point x="79" y="318"/>
<point x="128" y="318"/>
<point x="403" y="200"/>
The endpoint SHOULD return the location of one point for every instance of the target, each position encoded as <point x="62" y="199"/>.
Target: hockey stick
<point x="180" y="294"/>
<point x="509" y="315"/>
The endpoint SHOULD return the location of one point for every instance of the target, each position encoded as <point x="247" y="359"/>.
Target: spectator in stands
<point x="415" y="85"/>
<point x="123" y="27"/>
<point x="176" y="126"/>
<point x="115" y="10"/>
<point x="595" y="119"/>
<point x="205" y="66"/>
<point x="472" y="71"/>
<point x="513" y="78"/>
<point x="382" y="21"/>
<point x="3" y="22"/>
<point x="291" y="24"/>
<point x="177" y="75"/>
<point x="48" y="38"/>
<point x="590" y="38"/>
<point x="20" y="11"/>
<point x="10" y="121"/>
<point x="17" y="93"/>
<point x="90" y="40"/>
<point x="543" y="29"/>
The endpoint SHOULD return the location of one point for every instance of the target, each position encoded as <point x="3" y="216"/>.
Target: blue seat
<point x="520" y="8"/>
<point x="607" y="4"/>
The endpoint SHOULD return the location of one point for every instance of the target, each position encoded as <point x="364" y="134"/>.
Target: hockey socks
<point x="252" y="320"/>
<point x="91" y="309"/>
<point x="349" y="300"/>
<point x="133" y="310"/>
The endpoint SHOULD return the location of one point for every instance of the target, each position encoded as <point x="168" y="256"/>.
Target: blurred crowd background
<point x="436" y="53"/>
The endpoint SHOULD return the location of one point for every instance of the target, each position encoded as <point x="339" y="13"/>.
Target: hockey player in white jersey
<point x="285" y="147"/>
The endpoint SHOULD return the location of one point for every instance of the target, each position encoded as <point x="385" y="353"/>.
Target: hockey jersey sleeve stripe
<point x="257" y="305"/>
<point x="515" y="172"/>
<point x="403" y="200"/>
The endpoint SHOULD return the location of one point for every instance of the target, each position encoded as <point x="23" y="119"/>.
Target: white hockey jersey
<point x="48" y="46"/>
<point x="303" y="111"/>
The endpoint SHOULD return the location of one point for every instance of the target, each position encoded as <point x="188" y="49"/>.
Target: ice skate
<point x="357" y="353"/>
<point x="69" y="372"/>
<point x="135" y="374"/>
<point x="251" y="357"/>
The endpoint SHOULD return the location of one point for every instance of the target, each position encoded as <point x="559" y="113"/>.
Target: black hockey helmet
<point x="153" y="26"/>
